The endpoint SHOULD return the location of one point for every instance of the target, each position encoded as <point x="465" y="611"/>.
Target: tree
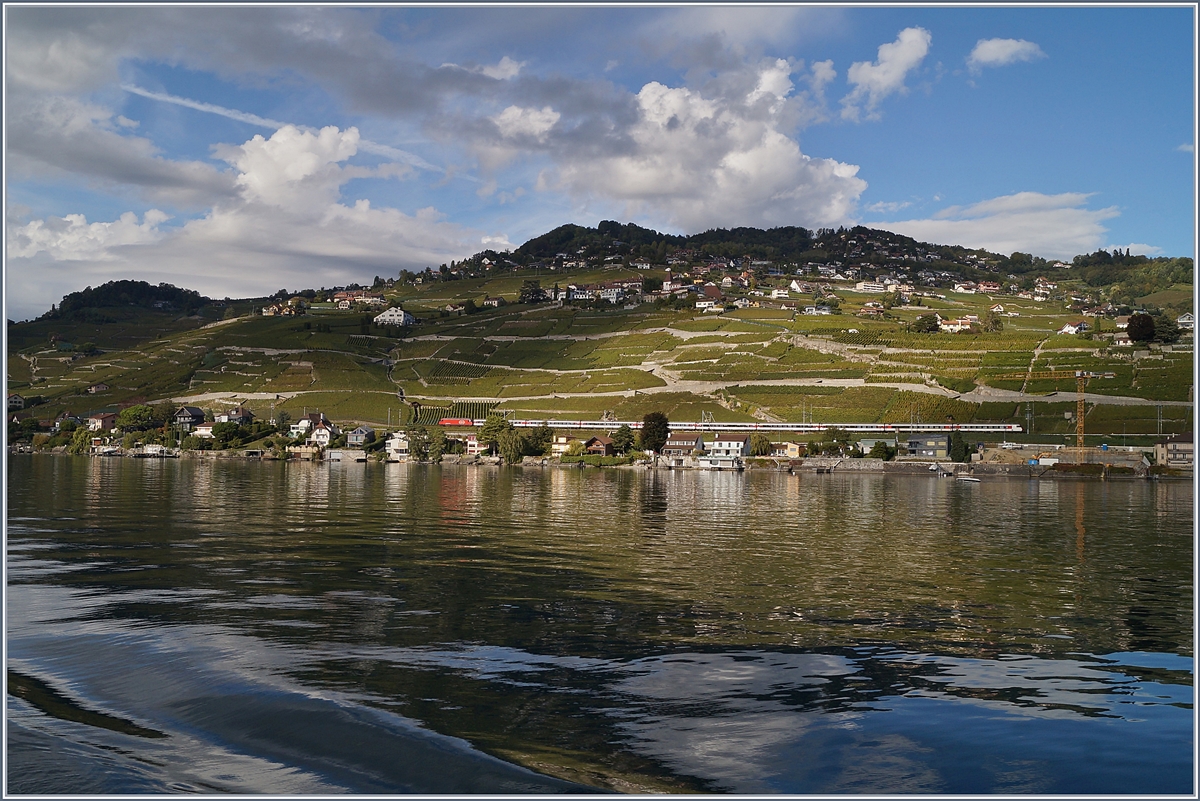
<point x="418" y="443"/>
<point x="437" y="444"/>
<point x="655" y="430"/>
<point x="575" y="448"/>
<point x="760" y="444"/>
<point x="282" y="421"/>
<point x="881" y="450"/>
<point x="224" y="432"/>
<point x="512" y="445"/>
<point x="492" y="428"/>
<point x="1166" y="330"/>
<point x="623" y="439"/>
<point x="532" y="292"/>
<point x="1141" y="327"/>
<point x="926" y="324"/>
<point x="992" y="322"/>
<point x="136" y="418"/>
<point x="539" y="439"/>
<point x="958" y="448"/>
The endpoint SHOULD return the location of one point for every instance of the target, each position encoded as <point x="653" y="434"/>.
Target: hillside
<point x="856" y="356"/>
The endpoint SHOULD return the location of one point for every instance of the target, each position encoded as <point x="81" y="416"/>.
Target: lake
<point x="226" y="626"/>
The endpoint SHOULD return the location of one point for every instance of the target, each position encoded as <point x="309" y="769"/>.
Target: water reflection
<point x="631" y="630"/>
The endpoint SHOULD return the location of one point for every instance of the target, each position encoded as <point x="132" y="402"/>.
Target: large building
<point x="1177" y="452"/>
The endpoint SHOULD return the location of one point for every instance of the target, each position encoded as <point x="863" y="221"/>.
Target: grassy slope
<point x="549" y="362"/>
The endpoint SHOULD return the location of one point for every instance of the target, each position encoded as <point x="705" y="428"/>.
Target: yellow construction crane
<point x="1081" y="378"/>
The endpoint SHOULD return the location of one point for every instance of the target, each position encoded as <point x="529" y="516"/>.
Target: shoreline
<point x="815" y="466"/>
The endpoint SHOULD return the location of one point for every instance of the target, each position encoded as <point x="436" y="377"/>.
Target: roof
<point x="726" y="437"/>
<point x="194" y="411"/>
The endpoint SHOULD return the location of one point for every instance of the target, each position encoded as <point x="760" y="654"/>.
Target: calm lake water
<point x="189" y="625"/>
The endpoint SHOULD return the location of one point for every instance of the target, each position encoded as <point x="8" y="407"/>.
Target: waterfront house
<point x="1177" y="452"/>
<point x="726" y="451"/>
<point x="929" y="446"/>
<point x="363" y="435"/>
<point x="600" y="446"/>
<point x="322" y="434"/>
<point x="397" y="447"/>
<point x="679" y="446"/>
<point x="188" y="417"/>
<point x="203" y="430"/>
<point x="104" y="422"/>
<point x="560" y="444"/>
<point x="474" y="447"/>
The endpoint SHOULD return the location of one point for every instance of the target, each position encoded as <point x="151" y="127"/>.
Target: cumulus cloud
<point x="285" y="224"/>
<point x="892" y="207"/>
<point x="1000" y="52"/>
<point x="1186" y="148"/>
<point x="1137" y="249"/>
<point x="874" y="81"/>
<point x="72" y="238"/>
<point x="515" y="122"/>
<point x="703" y="162"/>
<point x="1051" y="226"/>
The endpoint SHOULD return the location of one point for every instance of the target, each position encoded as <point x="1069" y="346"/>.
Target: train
<point x="856" y="428"/>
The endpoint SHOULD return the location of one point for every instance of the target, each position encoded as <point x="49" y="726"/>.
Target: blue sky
<point x="238" y="150"/>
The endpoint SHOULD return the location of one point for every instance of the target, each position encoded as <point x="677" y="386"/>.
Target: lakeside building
<point x="1178" y="451"/>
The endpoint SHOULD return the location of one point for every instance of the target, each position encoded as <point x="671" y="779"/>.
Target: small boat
<point x="972" y="479"/>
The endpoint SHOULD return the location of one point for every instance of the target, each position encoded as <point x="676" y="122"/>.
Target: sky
<point x="239" y="150"/>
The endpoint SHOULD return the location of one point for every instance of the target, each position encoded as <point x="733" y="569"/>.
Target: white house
<point x="397" y="447"/>
<point x="322" y="434"/>
<point x="870" y="286"/>
<point x="727" y="450"/>
<point x="395" y="316"/>
<point x="1186" y="322"/>
<point x="1074" y="328"/>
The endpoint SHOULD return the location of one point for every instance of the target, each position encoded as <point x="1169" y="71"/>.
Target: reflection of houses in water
<point x="307" y="485"/>
<point x="458" y="493"/>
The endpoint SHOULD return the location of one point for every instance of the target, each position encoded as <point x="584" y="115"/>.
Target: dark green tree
<point x="538" y="440"/>
<point x="532" y="292"/>
<point x="137" y="418"/>
<point x="1166" y="330"/>
<point x="492" y="428"/>
<point x="418" y="443"/>
<point x="1141" y="327"/>
<point x="760" y="444"/>
<point x="958" y="448"/>
<point x="437" y="444"/>
<point x="881" y="450"/>
<point x="623" y="439"/>
<point x="926" y="324"/>
<point x="655" y="430"/>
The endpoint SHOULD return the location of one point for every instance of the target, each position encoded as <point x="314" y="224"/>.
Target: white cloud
<point x="287" y="227"/>
<point x="507" y="68"/>
<point x="702" y="162"/>
<point x="741" y="26"/>
<point x="887" y="207"/>
<point x="1137" y="249"/>
<point x="1186" y="148"/>
<point x="875" y="81"/>
<point x="515" y="122"/>
<point x="72" y="238"/>
<point x="1051" y="226"/>
<point x="63" y="137"/>
<point x="1000" y="52"/>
